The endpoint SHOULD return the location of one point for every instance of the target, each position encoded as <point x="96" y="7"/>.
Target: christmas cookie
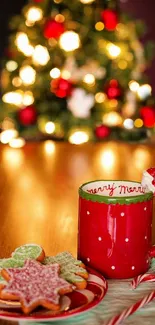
<point x="19" y="256"/>
<point x="31" y="251"/>
<point x="148" y="179"/>
<point x="72" y="270"/>
<point x="35" y="285"/>
<point x="6" y="263"/>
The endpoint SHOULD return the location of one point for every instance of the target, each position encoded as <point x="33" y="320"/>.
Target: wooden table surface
<point x="39" y="188"/>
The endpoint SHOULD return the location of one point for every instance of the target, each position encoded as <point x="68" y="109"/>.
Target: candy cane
<point x="142" y="278"/>
<point x="131" y="310"/>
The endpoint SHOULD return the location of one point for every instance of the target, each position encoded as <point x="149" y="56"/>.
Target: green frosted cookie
<point x="18" y="257"/>
<point x="8" y="263"/>
<point x="71" y="269"/>
<point x="31" y="251"/>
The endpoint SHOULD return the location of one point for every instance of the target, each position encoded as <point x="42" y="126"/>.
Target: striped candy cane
<point x="131" y="310"/>
<point x="142" y="278"/>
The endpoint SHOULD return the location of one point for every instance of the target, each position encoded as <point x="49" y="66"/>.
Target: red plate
<point x="72" y="304"/>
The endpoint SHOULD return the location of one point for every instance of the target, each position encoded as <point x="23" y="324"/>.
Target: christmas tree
<point x="74" y="70"/>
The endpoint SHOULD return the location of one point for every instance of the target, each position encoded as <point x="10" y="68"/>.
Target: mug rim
<point x="115" y="199"/>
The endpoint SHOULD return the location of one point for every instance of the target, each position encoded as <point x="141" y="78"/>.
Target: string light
<point x="17" y="143"/>
<point x="129" y="56"/>
<point x="122" y="31"/>
<point x="122" y="64"/>
<point x="113" y="50"/>
<point x="28" y="98"/>
<point x="55" y="73"/>
<point x="7" y="123"/>
<point x="69" y="41"/>
<point x="99" y="26"/>
<point x="13" y="97"/>
<point x="59" y="18"/>
<point x="89" y="79"/>
<point x="113" y="103"/>
<point x="28" y="50"/>
<point x="144" y="91"/>
<point x="49" y="147"/>
<point x="128" y="123"/>
<point x="7" y="135"/>
<point x="27" y="74"/>
<point x="34" y="14"/>
<point x="49" y="127"/>
<point x="40" y="55"/>
<point x="133" y="85"/>
<point x="112" y="119"/>
<point x="100" y="97"/>
<point x="22" y="41"/>
<point x="52" y="42"/>
<point x="78" y="137"/>
<point x="16" y="81"/>
<point x="11" y="65"/>
<point x="65" y="74"/>
<point x="87" y="1"/>
<point x="108" y="159"/>
<point x="23" y="45"/>
<point x="138" y="123"/>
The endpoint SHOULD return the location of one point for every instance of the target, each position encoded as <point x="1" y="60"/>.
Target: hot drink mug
<point x="115" y="226"/>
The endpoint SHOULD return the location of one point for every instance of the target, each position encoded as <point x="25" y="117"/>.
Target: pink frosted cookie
<point x="35" y="285"/>
<point x="148" y="179"/>
<point x="19" y="256"/>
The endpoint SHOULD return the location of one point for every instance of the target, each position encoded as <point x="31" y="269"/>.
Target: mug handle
<point x="152" y="251"/>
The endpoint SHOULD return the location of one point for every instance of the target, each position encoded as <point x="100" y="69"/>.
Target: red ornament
<point x="102" y="131"/>
<point x="53" y="29"/>
<point x="37" y="1"/>
<point x="148" y="116"/>
<point x="61" y="88"/>
<point x="110" y="19"/>
<point x="113" y="90"/>
<point x="27" y="115"/>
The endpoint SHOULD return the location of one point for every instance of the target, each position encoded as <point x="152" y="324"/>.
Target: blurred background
<point x="117" y="103"/>
<point x="141" y="9"/>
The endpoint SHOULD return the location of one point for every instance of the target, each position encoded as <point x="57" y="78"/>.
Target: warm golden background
<point x="39" y="188"/>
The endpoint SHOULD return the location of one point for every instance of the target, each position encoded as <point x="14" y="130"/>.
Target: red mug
<point x="115" y="227"/>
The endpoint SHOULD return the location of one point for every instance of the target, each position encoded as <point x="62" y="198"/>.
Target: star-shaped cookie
<point x="72" y="270"/>
<point x="35" y="285"/>
<point x="19" y="256"/>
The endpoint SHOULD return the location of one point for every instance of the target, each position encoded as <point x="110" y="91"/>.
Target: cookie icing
<point x="70" y="267"/>
<point x="35" y="283"/>
<point x="27" y="251"/>
<point x="19" y="256"/>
